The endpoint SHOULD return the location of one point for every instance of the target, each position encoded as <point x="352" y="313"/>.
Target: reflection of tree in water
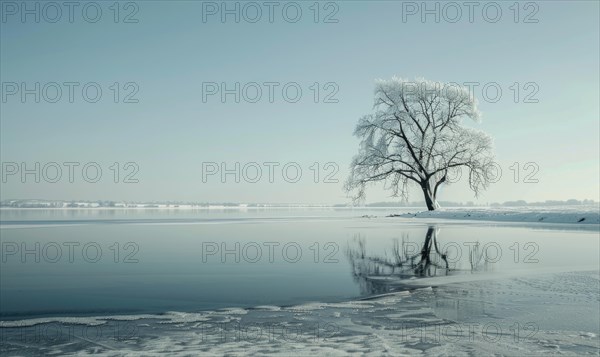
<point x="377" y="274"/>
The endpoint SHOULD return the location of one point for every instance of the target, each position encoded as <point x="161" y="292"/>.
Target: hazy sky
<point x="176" y="47"/>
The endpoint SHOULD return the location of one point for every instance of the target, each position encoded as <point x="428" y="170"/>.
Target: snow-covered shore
<point x="563" y="214"/>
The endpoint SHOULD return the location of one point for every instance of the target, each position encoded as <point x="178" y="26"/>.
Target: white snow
<point x="562" y="214"/>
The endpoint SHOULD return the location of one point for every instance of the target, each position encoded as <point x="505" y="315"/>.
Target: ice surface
<point x="550" y="308"/>
<point x="548" y="314"/>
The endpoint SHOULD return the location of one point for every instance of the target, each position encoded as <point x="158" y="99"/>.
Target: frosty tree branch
<point x="416" y="135"/>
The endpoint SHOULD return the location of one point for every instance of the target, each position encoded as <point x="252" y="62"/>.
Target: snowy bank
<point x="563" y="214"/>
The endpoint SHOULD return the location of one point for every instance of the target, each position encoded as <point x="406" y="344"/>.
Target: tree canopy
<point x="415" y="134"/>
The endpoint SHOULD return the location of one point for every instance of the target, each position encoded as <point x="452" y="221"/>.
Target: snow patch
<point x="572" y="215"/>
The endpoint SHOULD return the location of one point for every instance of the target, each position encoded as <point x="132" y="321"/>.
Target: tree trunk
<point x="430" y="200"/>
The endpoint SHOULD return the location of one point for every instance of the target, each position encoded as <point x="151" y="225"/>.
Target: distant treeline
<point x="36" y="203"/>
<point x="571" y="202"/>
<point x="519" y="203"/>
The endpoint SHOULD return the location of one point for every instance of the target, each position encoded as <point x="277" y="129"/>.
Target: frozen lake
<point x="336" y="275"/>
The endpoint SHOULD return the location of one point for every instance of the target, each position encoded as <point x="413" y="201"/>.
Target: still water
<point x="102" y="262"/>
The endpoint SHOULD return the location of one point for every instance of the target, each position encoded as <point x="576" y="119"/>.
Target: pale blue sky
<point x="170" y="52"/>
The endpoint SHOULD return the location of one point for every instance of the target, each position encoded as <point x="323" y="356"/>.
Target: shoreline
<point x="561" y="215"/>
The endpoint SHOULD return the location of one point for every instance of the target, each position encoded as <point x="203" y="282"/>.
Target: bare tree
<point x="416" y="135"/>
